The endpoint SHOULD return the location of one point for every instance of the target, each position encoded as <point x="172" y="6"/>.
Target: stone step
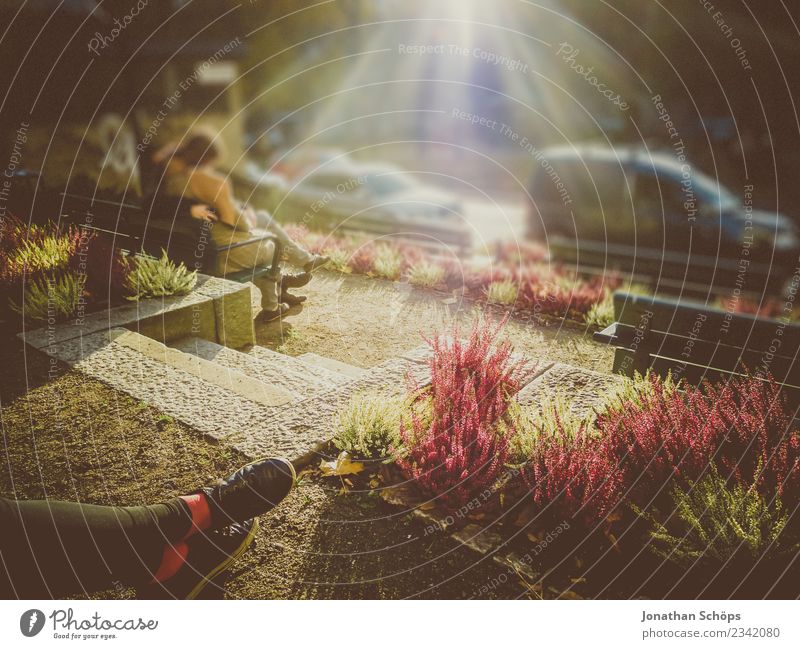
<point x="223" y="403"/>
<point x="310" y="369"/>
<point x="332" y="365"/>
<point x="265" y="366"/>
<point x="584" y="389"/>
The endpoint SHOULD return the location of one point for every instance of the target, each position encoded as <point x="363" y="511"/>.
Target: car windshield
<point x="389" y="183"/>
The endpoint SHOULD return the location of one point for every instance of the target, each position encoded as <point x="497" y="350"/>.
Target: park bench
<point x="146" y="226"/>
<point x="694" y="342"/>
<point x="163" y="223"/>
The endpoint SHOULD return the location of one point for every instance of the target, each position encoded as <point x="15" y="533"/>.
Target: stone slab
<point x="151" y="311"/>
<point x="216" y="309"/>
<point x="316" y="374"/>
<point x="584" y="389"/>
<point x="270" y="369"/>
<point x="268" y="394"/>
<point x="217" y="412"/>
<point x="332" y="365"/>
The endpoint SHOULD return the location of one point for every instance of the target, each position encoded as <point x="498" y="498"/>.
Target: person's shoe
<point x="293" y="300"/>
<point x="252" y="490"/>
<point x="295" y="281"/>
<point x="318" y="262"/>
<point x="275" y="314"/>
<point x="210" y="553"/>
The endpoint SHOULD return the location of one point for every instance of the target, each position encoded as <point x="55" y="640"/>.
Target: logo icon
<point x="31" y="622"/>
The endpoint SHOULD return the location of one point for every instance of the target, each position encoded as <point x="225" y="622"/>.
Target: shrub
<point x="388" y="263"/>
<point x="460" y="445"/>
<point x="639" y="445"/>
<point x="551" y="419"/>
<point x="339" y="258"/>
<point x="50" y="297"/>
<point x="601" y="314"/>
<point x="369" y="426"/>
<point x="362" y="260"/>
<point x="715" y="521"/>
<point x="504" y="293"/>
<point x="32" y="251"/>
<point x="426" y="274"/>
<point x="151" y="277"/>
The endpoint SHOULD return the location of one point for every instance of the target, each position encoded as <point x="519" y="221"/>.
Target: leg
<point x="294" y="253"/>
<point x="54" y="548"/>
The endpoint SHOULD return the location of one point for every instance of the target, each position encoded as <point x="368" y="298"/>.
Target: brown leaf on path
<point x="342" y="465"/>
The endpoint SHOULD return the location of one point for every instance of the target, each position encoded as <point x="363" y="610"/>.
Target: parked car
<point x="376" y="198"/>
<point x="293" y="164"/>
<point x="656" y="215"/>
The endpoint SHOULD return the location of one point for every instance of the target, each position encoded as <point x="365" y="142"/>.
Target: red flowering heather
<point x="362" y="261"/>
<point x="639" y="446"/>
<point x="559" y="295"/>
<point x="455" y="450"/>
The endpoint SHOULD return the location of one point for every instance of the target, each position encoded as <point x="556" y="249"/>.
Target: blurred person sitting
<point x="189" y="172"/>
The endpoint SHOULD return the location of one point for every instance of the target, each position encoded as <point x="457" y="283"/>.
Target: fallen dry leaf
<point x="342" y="465"/>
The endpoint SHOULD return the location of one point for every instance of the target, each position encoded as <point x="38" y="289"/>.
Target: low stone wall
<point x="217" y="309"/>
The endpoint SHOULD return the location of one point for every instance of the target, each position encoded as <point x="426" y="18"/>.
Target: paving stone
<point x="332" y="365"/>
<point x="268" y="394"/>
<point x="584" y="389"/>
<point x="318" y="375"/>
<point x="215" y="411"/>
<point x="519" y="565"/>
<point x="478" y="539"/>
<point x="266" y="366"/>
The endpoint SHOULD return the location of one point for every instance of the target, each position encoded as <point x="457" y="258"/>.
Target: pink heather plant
<point x="456" y="449"/>
<point x="641" y="445"/>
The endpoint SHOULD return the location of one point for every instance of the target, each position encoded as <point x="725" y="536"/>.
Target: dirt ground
<point x="69" y="437"/>
<point x="363" y="321"/>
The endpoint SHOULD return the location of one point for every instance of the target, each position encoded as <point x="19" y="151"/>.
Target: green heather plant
<point x="425" y="274"/>
<point x="50" y="297"/>
<point x="51" y="252"/>
<point x="339" y="258"/>
<point x="716" y="521"/>
<point x="388" y="263"/>
<point x="149" y="277"/>
<point x="601" y="314"/>
<point x="368" y="427"/>
<point x="504" y="292"/>
<point x="549" y="420"/>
